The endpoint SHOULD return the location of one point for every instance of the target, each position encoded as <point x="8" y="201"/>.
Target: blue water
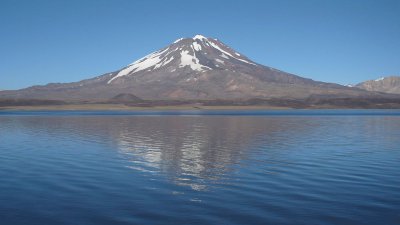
<point x="200" y="167"/>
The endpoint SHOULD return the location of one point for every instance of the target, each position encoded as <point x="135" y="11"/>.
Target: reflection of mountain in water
<point x="191" y="149"/>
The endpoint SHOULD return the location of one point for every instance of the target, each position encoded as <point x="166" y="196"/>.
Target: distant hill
<point x="385" y="84"/>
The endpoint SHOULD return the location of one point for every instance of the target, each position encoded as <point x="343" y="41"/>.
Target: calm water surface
<point x="221" y="167"/>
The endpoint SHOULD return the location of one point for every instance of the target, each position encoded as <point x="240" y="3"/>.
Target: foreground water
<point x="219" y="167"/>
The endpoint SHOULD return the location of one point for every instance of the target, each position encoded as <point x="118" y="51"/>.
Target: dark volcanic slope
<point x="191" y="68"/>
<point x="384" y="84"/>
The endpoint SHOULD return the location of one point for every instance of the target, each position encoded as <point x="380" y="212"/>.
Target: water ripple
<point x="256" y="168"/>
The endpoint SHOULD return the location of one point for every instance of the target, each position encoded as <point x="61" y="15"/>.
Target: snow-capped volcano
<point x="189" y="68"/>
<point x="198" y="54"/>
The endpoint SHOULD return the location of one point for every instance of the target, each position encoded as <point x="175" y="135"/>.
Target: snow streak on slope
<point x="191" y="61"/>
<point x="178" y="40"/>
<point x="227" y="53"/>
<point x="153" y="59"/>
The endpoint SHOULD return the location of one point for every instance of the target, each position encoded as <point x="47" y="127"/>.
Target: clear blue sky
<point x="346" y="41"/>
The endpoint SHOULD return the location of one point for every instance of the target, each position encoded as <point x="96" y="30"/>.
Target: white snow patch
<point x="164" y="62"/>
<point x="178" y="40"/>
<point x="227" y="53"/>
<point x="224" y="56"/>
<point x="200" y="37"/>
<point x="168" y="61"/>
<point x="141" y="64"/>
<point x="379" y="79"/>
<point x="192" y="61"/>
<point x="149" y="56"/>
<point x="220" y="61"/>
<point x="196" y="46"/>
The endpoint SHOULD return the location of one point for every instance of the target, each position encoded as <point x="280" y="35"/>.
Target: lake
<point x="200" y="167"/>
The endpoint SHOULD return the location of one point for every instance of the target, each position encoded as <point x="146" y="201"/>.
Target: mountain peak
<point x="188" y="56"/>
<point x="196" y="37"/>
<point x="200" y="37"/>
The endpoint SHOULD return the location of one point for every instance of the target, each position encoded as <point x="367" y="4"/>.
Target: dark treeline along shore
<point x="309" y="103"/>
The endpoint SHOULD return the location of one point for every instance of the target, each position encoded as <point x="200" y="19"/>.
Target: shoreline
<point x="191" y="107"/>
<point x="122" y="107"/>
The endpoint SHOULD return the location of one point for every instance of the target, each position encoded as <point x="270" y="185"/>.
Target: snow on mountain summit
<point x="197" y="54"/>
<point x="200" y="37"/>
